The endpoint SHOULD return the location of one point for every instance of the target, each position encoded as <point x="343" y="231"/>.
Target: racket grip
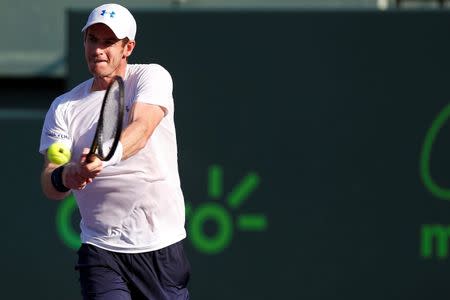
<point x="116" y="158"/>
<point x="90" y="157"/>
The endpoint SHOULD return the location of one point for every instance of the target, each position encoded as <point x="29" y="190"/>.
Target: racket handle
<point x="91" y="157"/>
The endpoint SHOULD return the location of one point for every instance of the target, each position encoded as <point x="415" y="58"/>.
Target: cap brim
<point x="100" y="22"/>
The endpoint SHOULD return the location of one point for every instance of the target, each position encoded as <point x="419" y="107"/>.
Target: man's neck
<point x="101" y="83"/>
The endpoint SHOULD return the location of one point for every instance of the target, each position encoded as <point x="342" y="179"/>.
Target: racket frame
<point x="95" y="142"/>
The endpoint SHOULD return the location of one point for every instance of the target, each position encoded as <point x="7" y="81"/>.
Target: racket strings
<point x="110" y="121"/>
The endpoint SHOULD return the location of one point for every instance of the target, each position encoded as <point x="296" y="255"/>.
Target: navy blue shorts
<point x="156" y="275"/>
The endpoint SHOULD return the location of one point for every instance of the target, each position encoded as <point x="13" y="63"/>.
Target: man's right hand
<point x="78" y="175"/>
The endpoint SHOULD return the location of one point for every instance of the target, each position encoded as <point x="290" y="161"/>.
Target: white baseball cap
<point x="116" y="17"/>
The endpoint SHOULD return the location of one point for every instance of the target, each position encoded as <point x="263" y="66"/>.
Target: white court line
<point x="22" y="114"/>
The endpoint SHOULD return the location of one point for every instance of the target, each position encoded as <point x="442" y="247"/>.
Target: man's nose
<point x="98" y="49"/>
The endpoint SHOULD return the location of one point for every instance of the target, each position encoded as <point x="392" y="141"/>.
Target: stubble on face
<point x="103" y="51"/>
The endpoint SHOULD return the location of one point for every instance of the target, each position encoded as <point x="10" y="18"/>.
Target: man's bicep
<point x="142" y="123"/>
<point x="148" y="114"/>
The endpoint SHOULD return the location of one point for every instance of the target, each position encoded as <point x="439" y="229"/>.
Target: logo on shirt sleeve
<point x="57" y="135"/>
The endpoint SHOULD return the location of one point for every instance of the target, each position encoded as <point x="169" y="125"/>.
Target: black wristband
<point x="57" y="180"/>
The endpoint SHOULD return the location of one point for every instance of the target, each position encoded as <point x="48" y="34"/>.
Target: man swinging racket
<point x="132" y="205"/>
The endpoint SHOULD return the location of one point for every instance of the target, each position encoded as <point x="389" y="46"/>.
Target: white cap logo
<point x="104" y="12"/>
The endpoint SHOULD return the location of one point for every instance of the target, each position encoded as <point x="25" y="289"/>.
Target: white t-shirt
<point x="136" y="205"/>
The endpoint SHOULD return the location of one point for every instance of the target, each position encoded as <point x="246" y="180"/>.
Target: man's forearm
<point x="47" y="186"/>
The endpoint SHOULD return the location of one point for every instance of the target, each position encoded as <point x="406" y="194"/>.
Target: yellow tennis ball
<point x="58" y="153"/>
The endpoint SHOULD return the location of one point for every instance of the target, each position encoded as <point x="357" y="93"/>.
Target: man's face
<point x="105" y="53"/>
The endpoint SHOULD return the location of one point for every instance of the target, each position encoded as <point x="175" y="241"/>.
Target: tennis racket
<point x="109" y="126"/>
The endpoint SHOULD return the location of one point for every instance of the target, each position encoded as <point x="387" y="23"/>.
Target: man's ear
<point x="128" y="49"/>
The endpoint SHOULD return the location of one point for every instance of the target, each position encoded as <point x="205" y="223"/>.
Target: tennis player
<point x="132" y="207"/>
